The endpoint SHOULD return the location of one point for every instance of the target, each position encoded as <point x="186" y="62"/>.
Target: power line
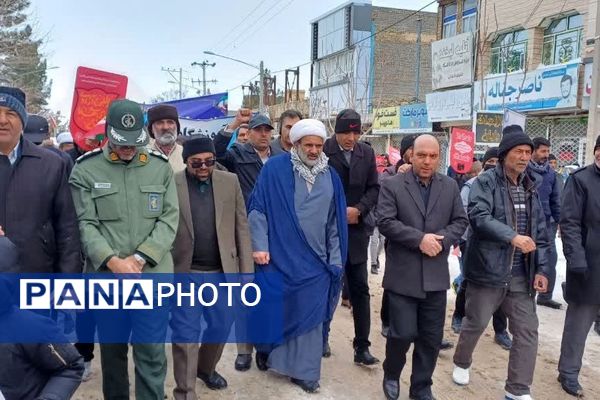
<point x="244" y="19"/>
<point x="269" y="20"/>
<point x="243" y="83"/>
<point x="250" y="26"/>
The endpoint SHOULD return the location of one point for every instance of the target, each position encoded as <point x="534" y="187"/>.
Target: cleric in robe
<point x="297" y="216"/>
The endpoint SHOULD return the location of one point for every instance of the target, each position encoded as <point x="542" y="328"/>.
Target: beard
<point x="304" y="157"/>
<point x="166" y="139"/>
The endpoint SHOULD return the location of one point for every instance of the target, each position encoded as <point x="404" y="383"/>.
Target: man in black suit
<point x="355" y="164"/>
<point x="421" y="215"/>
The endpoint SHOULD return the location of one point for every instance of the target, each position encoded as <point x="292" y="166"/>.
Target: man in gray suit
<point x="421" y="215"/>
<point x="212" y="237"/>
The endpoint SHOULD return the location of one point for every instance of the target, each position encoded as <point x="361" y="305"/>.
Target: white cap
<point x="307" y="127"/>
<point x="64" y="137"/>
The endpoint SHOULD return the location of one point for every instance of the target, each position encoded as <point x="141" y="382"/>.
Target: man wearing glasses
<point x="212" y="237"/>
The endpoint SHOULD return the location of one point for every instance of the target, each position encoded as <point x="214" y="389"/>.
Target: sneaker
<point x="461" y="376"/>
<point x="503" y="339"/>
<point x="87" y="371"/>
<point x="456" y="324"/>
<point x="510" y="396"/>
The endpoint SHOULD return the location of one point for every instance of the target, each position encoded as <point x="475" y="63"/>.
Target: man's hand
<point x="124" y="266"/>
<point x="242" y="116"/>
<point x="352" y="214"/>
<point x="540" y="283"/>
<point x="138" y="262"/>
<point x="523" y="243"/>
<point x="261" y="257"/>
<point x="430" y="244"/>
<point x="404" y="168"/>
<point x="1" y="231"/>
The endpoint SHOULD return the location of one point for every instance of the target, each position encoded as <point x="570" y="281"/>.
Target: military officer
<point x="128" y="213"/>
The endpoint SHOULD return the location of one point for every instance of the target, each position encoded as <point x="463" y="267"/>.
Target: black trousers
<point x="85" y="326"/>
<point x="499" y="320"/>
<point x="385" y="310"/>
<point x="358" y="288"/>
<point x="418" y="321"/>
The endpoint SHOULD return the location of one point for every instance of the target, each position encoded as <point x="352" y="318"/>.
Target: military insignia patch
<point x="114" y="156"/>
<point x="143" y="158"/>
<point x="128" y="121"/>
<point x="154" y="202"/>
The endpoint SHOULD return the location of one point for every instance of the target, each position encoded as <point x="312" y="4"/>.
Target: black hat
<point x="492" y="152"/>
<point x="597" y="143"/>
<point x="197" y="145"/>
<point x="347" y="121"/>
<point x="162" y="111"/>
<point x="37" y="129"/>
<point x="512" y="136"/>
<point x="407" y="142"/>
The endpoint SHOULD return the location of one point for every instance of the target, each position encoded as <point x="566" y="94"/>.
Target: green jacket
<point x="125" y="208"/>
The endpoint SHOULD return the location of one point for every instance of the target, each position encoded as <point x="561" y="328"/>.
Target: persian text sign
<point x="488" y="127"/>
<point x="462" y="150"/>
<point x="449" y="105"/>
<point x="452" y="61"/>
<point x="386" y="120"/>
<point x="413" y="118"/>
<point x="94" y="90"/>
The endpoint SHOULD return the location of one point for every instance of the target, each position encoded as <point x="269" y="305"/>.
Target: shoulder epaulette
<point x="89" y="154"/>
<point x="159" y="155"/>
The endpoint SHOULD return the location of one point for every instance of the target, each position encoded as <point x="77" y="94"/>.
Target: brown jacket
<point x="232" y="225"/>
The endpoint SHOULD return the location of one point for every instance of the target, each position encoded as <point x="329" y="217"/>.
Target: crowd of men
<point x="133" y="200"/>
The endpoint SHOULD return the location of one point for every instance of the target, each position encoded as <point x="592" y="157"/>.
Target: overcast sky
<point x="138" y="37"/>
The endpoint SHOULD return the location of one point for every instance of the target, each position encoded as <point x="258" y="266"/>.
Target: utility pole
<point x="203" y="65"/>
<point x="418" y="73"/>
<point x="179" y="81"/>
<point x="594" y="112"/>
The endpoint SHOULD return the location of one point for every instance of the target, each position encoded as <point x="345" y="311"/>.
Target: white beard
<point x="304" y="157"/>
<point x="166" y="139"/>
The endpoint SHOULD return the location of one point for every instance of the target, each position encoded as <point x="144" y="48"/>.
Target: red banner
<point x="94" y="90"/>
<point x="462" y="150"/>
<point x="393" y="155"/>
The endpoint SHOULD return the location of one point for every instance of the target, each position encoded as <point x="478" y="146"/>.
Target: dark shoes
<point x="213" y="381"/>
<point x="243" y="362"/>
<point x="503" y="340"/>
<point x="307" y="386"/>
<point x="364" y="357"/>
<point x="446" y="345"/>
<point x="385" y="330"/>
<point x="597" y="327"/>
<point x="391" y="388"/>
<point x="549" y="303"/>
<point x="571" y="386"/>
<point x="261" y="361"/>
<point x="326" y="350"/>
<point x="456" y="324"/>
<point x="374" y="269"/>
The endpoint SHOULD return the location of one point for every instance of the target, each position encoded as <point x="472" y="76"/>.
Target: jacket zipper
<point x="53" y="350"/>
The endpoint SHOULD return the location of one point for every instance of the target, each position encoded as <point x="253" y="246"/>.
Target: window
<point x="469" y="16"/>
<point x="509" y="52"/>
<point x="563" y="40"/>
<point x="333" y="69"/>
<point x="331" y="36"/>
<point x="449" y="28"/>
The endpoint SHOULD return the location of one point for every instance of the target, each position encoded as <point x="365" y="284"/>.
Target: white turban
<point x="64" y="137"/>
<point x="307" y="127"/>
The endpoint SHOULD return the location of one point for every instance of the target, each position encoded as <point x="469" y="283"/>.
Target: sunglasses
<point x="200" y="164"/>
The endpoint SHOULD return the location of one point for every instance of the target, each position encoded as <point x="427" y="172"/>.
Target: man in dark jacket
<point x="421" y="215"/>
<point x="355" y="164"/>
<point x="36" y="208"/>
<point x="505" y="262"/>
<point x="28" y="371"/>
<point x="580" y="232"/>
<point x="246" y="160"/>
<point x="287" y="119"/>
<point x="549" y="192"/>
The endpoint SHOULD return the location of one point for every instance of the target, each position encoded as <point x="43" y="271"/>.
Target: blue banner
<point x="145" y="308"/>
<point x="203" y="107"/>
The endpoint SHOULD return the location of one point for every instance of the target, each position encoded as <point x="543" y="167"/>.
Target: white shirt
<point x="12" y="159"/>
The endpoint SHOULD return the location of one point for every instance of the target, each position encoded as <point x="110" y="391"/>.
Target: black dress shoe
<point x="571" y="386"/>
<point x="385" y="330"/>
<point x="364" y="357"/>
<point x="326" y="350"/>
<point x="391" y="388"/>
<point x="215" y="381"/>
<point x="446" y="345"/>
<point x="549" y="303"/>
<point x="243" y="362"/>
<point x="261" y="361"/>
<point x="307" y="386"/>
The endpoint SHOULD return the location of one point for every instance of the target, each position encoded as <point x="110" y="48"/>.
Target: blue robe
<point x="306" y="236"/>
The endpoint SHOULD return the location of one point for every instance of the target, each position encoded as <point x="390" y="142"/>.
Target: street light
<point x="261" y="70"/>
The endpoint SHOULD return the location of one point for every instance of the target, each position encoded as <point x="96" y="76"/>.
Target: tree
<point x="22" y="63"/>
<point x="168" y="95"/>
